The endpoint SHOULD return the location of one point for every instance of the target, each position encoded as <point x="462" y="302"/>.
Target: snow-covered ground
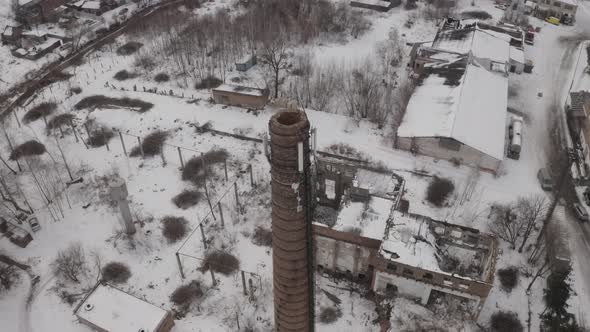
<point x="151" y="187"/>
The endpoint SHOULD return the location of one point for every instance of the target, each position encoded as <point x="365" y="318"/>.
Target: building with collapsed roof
<point x="396" y="253"/>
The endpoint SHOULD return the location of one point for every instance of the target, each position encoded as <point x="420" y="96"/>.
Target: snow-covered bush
<point x="508" y="277"/>
<point x="186" y="199"/>
<point x="185" y="295"/>
<point x="151" y="144"/>
<point x="116" y="272"/>
<point x="329" y="315"/>
<point x="8" y="277"/>
<point x="505" y="321"/>
<point x="162" y="77"/>
<point x="220" y="262"/>
<point x="262" y="237"/>
<point x="28" y="148"/>
<point x="439" y="190"/>
<point x="39" y="111"/>
<point x="175" y="228"/>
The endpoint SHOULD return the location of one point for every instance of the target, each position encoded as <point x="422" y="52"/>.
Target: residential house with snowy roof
<point x="565" y="10"/>
<point x="241" y="96"/>
<point x="366" y="239"/>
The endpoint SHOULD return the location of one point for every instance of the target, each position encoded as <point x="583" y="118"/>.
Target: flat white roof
<point x="463" y="102"/>
<point x="240" y="89"/>
<point x="116" y="311"/>
<point x="483" y="44"/>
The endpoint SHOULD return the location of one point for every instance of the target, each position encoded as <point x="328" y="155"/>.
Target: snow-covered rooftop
<point x="240" y="89"/>
<point x="481" y="43"/>
<point x="91" y="5"/>
<point x="380" y="3"/>
<point x="116" y="311"/>
<point x="460" y="101"/>
<point x="371" y="221"/>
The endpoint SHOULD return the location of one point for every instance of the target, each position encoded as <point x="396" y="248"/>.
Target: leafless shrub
<point x="184" y="295"/>
<point x="359" y="25"/>
<point x="439" y="190"/>
<point x="505" y="321"/>
<point x="205" y="127"/>
<point x="129" y="48"/>
<point x="116" y="272"/>
<point x="262" y="237"/>
<point x="197" y="169"/>
<point x="39" y="111"/>
<point x="329" y="315"/>
<point x="162" y="77"/>
<point x="187" y="199"/>
<point x="100" y="136"/>
<point x="60" y="120"/>
<point x="145" y="61"/>
<point x="8" y="277"/>
<point x="508" y="278"/>
<point x="75" y="90"/>
<point x="175" y="228"/>
<point x="98" y="101"/>
<point x="122" y="75"/>
<point x="152" y="144"/>
<point x="220" y="262"/>
<point x="70" y="263"/>
<point x="28" y="148"/>
<point x="209" y="82"/>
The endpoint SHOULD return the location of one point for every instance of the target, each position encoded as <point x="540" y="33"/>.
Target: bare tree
<point x="70" y="263"/>
<point x="505" y="224"/>
<point x="275" y="54"/>
<point x="362" y="93"/>
<point x="390" y="53"/>
<point x="532" y="211"/>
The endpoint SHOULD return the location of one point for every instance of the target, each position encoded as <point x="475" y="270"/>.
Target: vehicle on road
<point x="586" y="195"/>
<point x="545" y="179"/>
<point x="552" y="20"/>
<point x="34" y="223"/>
<point x="581" y="212"/>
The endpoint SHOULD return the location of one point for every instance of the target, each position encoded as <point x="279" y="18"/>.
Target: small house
<point x="109" y="309"/>
<point x="564" y="10"/>
<point x="246" y="62"/>
<point x="241" y="96"/>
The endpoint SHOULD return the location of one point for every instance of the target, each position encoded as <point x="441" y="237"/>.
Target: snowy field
<point x="84" y="214"/>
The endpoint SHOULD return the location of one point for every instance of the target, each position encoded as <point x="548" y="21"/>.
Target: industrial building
<point x="370" y="241"/>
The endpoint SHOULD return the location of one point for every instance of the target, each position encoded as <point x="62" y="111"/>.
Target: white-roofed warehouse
<point x="457" y="112"/>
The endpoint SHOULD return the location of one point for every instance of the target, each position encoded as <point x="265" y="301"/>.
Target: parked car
<point x="581" y="212"/>
<point x="552" y="20"/>
<point x="34" y="223"/>
<point x="586" y="195"/>
<point x="545" y="179"/>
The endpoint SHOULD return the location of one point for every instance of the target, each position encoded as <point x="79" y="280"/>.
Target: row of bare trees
<point x="209" y="45"/>
<point x="369" y="90"/>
